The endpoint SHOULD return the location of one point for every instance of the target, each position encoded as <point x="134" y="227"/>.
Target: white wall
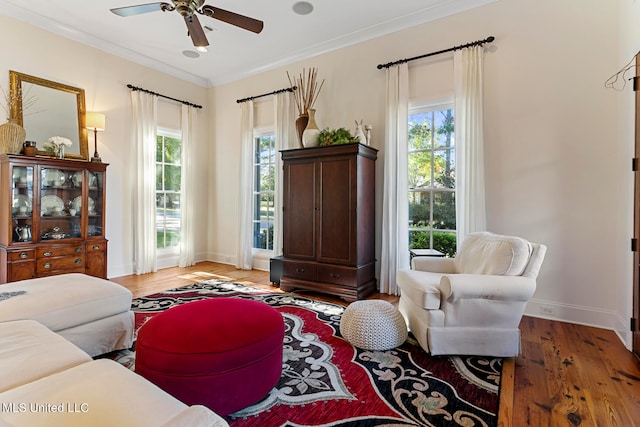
<point x="104" y="77"/>
<point x="557" y="165"/>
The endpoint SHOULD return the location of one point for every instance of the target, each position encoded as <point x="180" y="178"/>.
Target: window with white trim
<point x="432" y="180"/>
<point x="168" y="176"/>
<point x="264" y="190"/>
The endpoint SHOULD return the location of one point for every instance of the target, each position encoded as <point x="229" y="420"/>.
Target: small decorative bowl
<point x="29" y="148"/>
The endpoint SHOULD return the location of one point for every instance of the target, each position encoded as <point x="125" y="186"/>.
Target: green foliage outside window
<point x="432" y="180"/>
<point x="266" y="238"/>
<point x="443" y="242"/>
<point x="264" y="186"/>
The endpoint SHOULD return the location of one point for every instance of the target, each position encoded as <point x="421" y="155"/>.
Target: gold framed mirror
<point x="54" y="109"/>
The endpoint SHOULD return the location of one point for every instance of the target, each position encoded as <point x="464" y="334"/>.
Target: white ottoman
<point x="373" y="325"/>
<point x="93" y="313"/>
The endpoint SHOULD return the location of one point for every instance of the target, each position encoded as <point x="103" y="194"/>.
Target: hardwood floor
<point x="567" y="375"/>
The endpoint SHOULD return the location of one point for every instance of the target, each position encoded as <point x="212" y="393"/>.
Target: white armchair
<point x="471" y="304"/>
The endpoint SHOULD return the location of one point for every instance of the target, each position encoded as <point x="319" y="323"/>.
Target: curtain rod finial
<point x="490" y="39"/>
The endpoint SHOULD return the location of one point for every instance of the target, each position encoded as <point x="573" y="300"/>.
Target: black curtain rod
<point x="251" y="98"/>
<point x="462" y="46"/>
<point x="132" y="87"/>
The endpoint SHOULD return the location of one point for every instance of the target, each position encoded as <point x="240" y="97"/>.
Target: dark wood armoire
<point x="329" y="220"/>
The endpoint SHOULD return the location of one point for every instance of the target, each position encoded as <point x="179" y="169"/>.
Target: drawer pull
<point x="78" y="250"/>
<point x="23" y="255"/>
<point x="334" y="276"/>
<point x="299" y="270"/>
<point x="47" y="253"/>
<point x="47" y="265"/>
<point x="96" y="248"/>
<point x="78" y="261"/>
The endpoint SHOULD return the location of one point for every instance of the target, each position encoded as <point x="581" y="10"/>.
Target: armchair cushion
<point x="488" y="253"/>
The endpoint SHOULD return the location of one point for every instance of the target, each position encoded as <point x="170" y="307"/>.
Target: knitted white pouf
<point x="373" y="325"/>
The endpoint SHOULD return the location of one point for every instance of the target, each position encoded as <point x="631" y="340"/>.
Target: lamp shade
<point x="95" y="121"/>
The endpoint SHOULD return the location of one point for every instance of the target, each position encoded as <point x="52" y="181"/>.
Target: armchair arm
<point x="433" y="264"/>
<point x="485" y="286"/>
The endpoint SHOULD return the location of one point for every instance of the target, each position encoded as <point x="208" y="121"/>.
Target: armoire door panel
<point x="300" y="210"/>
<point x="337" y="204"/>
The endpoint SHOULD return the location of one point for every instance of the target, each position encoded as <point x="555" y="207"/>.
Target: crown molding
<point x="438" y="11"/>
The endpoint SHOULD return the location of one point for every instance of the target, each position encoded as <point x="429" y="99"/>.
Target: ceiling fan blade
<point x="195" y="31"/>
<point x="138" y="9"/>
<point x="238" y="20"/>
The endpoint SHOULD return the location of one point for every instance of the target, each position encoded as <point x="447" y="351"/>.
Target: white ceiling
<point x="158" y="39"/>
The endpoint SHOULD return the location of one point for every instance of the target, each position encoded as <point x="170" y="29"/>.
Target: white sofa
<point x="471" y="304"/>
<point x="45" y="380"/>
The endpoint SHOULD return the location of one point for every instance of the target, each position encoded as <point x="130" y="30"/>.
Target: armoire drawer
<point x="336" y="274"/>
<point x="299" y="270"/>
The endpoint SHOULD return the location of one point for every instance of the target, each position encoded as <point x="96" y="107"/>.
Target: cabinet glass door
<point x="60" y="203"/>
<point x="22" y="203"/>
<point x="95" y="207"/>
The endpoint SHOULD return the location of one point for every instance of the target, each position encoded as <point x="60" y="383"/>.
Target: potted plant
<point x="335" y="137"/>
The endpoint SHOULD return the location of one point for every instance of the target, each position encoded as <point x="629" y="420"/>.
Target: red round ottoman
<point x="224" y="353"/>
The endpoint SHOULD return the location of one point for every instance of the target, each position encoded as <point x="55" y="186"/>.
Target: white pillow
<point x="489" y="253"/>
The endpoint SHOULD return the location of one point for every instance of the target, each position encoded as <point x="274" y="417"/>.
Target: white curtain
<point x="395" y="216"/>
<point x="145" y="119"/>
<point x="244" y="259"/>
<point x="186" y="256"/>
<point x="469" y="132"/>
<point x="286" y="138"/>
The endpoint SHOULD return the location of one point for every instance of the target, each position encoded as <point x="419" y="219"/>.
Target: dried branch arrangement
<point x="11" y="99"/>
<point x="306" y="89"/>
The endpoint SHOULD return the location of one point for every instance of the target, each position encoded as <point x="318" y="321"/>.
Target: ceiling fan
<point x="188" y="9"/>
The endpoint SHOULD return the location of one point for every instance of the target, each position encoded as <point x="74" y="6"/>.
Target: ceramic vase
<point x="301" y="124"/>
<point x="310" y="136"/>
<point x="11" y="137"/>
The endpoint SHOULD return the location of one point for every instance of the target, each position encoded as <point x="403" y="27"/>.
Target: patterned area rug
<point x="328" y="382"/>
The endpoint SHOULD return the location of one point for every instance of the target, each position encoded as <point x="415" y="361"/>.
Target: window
<point x="168" y="170"/>
<point x="263" y="191"/>
<point x="432" y="180"/>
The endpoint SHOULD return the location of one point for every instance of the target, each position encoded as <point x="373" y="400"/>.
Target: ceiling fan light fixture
<point x="191" y="54"/>
<point x="302" y="8"/>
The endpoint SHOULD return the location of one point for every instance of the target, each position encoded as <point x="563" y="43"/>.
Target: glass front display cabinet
<point x="52" y="217"/>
